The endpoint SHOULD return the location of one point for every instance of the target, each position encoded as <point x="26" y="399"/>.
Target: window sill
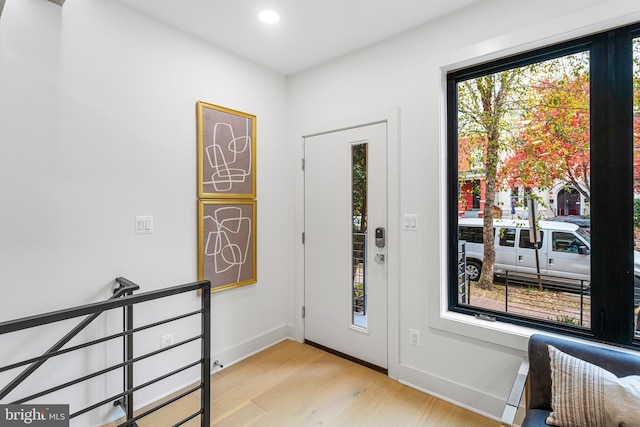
<point x="499" y="333"/>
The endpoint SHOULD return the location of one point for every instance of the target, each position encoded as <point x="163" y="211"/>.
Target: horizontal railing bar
<point x="189" y="418"/>
<point x="98" y="341"/>
<point x="134" y="389"/>
<point x="65" y="339"/>
<point x="104" y="371"/>
<point x="162" y="405"/>
<point x="56" y="316"/>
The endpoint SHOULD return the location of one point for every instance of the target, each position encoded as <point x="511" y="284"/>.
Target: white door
<point x="337" y="316"/>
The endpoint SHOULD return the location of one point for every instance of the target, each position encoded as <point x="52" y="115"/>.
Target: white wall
<point x="458" y="359"/>
<point x="97" y="125"/>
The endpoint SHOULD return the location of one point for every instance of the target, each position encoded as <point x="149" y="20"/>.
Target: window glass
<point x="525" y="240"/>
<point x="523" y="151"/>
<point x="471" y="234"/>
<point x="359" y="189"/>
<point x="565" y="242"/>
<point x="507" y="237"/>
<point x="584" y="234"/>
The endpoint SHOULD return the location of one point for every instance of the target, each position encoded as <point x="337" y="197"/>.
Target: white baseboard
<point x="458" y="394"/>
<point x="235" y="354"/>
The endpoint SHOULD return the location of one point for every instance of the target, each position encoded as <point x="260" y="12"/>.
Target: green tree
<point x="485" y="113"/>
<point x="359" y="198"/>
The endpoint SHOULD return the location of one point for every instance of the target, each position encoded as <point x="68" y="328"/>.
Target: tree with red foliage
<point x="553" y="141"/>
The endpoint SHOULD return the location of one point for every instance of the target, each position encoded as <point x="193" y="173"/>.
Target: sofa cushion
<point x="535" y="418"/>
<point x="585" y="395"/>
<point x="619" y="363"/>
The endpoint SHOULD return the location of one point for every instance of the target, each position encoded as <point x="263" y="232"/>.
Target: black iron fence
<point x="547" y="297"/>
<point x="461" y="273"/>
<point x="123" y="298"/>
<point x="359" y="275"/>
<point x="550" y="298"/>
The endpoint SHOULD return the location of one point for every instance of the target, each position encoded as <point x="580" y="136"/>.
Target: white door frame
<point x="392" y="117"/>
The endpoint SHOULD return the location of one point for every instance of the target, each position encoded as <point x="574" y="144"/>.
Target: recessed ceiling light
<point x="269" y="17"/>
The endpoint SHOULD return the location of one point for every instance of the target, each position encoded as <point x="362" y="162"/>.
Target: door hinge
<point x="303" y="311"/>
<point x="303" y="164"/>
<point x="303" y="237"/>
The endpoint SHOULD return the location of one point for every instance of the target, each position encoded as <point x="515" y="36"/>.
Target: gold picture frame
<point x="227" y="243"/>
<point x="226" y="152"/>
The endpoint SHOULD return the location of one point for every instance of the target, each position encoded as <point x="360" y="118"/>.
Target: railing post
<point x="506" y="293"/>
<point x="581" y="301"/>
<point x="129" y="327"/>
<point x="205" y="395"/>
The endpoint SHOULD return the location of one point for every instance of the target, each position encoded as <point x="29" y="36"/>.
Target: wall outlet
<point x="167" y="340"/>
<point x="414" y="337"/>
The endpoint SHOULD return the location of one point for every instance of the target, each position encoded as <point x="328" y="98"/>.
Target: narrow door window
<point x="359" y="218"/>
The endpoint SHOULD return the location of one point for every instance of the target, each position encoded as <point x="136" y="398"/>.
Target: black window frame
<point x="611" y="121"/>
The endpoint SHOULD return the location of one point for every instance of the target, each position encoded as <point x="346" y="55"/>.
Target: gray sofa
<point x="536" y="374"/>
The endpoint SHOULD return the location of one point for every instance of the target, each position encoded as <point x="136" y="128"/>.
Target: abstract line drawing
<point x="226" y="152"/>
<point x="227" y="242"/>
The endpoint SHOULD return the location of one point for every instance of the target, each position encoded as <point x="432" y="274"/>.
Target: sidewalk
<point x="557" y="311"/>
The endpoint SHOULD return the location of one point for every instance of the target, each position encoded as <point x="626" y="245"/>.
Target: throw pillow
<point x="585" y="395"/>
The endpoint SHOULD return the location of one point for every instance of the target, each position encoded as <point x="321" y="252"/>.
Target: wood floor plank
<point x="446" y="414"/>
<point x="368" y="407"/>
<point x="401" y="407"/>
<point x="244" y="415"/>
<point x="316" y="395"/>
<point x="243" y="382"/>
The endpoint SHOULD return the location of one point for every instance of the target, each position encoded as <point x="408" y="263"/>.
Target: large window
<point x="549" y="141"/>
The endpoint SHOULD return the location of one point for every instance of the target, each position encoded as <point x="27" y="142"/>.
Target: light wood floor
<point x="293" y="384"/>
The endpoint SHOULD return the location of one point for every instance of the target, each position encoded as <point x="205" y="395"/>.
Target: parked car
<point x="564" y="250"/>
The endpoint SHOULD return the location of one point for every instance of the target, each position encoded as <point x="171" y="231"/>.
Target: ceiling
<point x="309" y="32"/>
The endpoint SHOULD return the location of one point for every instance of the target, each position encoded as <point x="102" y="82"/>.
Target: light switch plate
<point x="144" y="224"/>
<point x="410" y="222"/>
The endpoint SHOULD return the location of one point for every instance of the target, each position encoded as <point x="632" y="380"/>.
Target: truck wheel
<point x="474" y="268"/>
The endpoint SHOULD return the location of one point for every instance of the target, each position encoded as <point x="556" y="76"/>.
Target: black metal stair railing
<point x="123" y="298"/>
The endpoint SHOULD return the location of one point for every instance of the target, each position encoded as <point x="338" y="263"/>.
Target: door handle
<point x="519" y="258"/>
<point x="379" y="258"/>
